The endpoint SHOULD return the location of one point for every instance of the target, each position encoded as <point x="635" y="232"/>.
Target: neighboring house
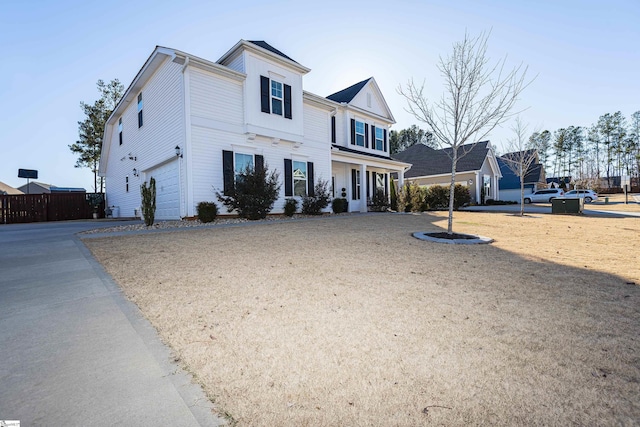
<point x="193" y="124"/>
<point x="478" y="169"/>
<point x="534" y="179"/>
<point x="556" y="182"/>
<point x="7" y="190"/>
<point x="35" y="187"/>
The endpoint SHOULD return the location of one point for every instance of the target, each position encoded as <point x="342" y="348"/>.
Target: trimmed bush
<point x="313" y="204"/>
<point x="148" y="201"/>
<point x="290" y="207"/>
<point x="437" y="197"/>
<point x="207" y="211"/>
<point x="253" y="193"/>
<point x="379" y="202"/>
<point x="339" y="205"/>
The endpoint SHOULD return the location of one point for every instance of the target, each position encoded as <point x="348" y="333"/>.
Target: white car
<point x="588" y="195"/>
<point x="544" y="195"/>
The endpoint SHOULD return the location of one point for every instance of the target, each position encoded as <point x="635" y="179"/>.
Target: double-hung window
<point x="276" y="97"/>
<point x="299" y="178"/>
<point x="379" y="145"/>
<point x="241" y="163"/>
<point x="140" y="110"/>
<point x="360" y="136"/>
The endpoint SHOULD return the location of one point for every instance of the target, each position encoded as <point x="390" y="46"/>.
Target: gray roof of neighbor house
<point x="427" y="161"/>
<point x="263" y="44"/>
<point x="346" y="95"/>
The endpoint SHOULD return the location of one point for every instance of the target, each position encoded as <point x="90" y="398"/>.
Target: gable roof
<point x="427" y="161"/>
<point x="346" y="95"/>
<point x="510" y="180"/>
<point x="263" y="44"/>
<point x="7" y="189"/>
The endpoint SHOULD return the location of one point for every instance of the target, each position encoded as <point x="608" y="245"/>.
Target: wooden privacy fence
<point x="50" y="207"/>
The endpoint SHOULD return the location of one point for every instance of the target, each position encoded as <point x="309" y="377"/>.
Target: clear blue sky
<point x="586" y="55"/>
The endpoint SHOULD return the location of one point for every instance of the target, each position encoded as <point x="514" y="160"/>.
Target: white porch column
<point x="479" y="184"/>
<point x="364" y="184"/>
<point x="400" y="179"/>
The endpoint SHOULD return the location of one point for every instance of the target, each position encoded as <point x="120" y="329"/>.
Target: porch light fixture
<point x="178" y="151"/>
<point x="135" y="172"/>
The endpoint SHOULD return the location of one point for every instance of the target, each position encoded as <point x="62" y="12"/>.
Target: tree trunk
<point x="521" y="196"/>
<point x="452" y="188"/>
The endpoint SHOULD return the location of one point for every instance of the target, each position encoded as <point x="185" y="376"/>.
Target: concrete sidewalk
<point x="73" y="350"/>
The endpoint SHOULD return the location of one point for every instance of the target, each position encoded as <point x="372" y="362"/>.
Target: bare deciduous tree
<point x="478" y="97"/>
<point x="521" y="159"/>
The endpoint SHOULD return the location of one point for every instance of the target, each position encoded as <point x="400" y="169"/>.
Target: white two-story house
<point x="193" y="124"/>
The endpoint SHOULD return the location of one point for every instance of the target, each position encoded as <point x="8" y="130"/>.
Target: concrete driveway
<point x="73" y="350"/>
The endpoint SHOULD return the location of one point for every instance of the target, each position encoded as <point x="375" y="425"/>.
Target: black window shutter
<point x="287" y="102"/>
<point x="259" y="162"/>
<point x="310" y="183"/>
<point x="353" y="131"/>
<point x="366" y="135"/>
<point x="373" y="137"/>
<point x="368" y="186"/>
<point x="353" y="184"/>
<point x="288" y="178"/>
<point x="264" y="94"/>
<point x="227" y="171"/>
<point x="385" y="139"/>
<point x="333" y="129"/>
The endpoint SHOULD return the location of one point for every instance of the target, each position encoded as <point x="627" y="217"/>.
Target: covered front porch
<point x="358" y="177"/>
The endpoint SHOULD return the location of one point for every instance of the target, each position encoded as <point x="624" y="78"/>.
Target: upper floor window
<point x="275" y="97"/>
<point x="140" y="110"/>
<point x="379" y="145"/>
<point x="360" y="136"/>
<point x="120" y="130"/>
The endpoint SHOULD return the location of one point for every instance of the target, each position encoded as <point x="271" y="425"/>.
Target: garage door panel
<point x="167" y="190"/>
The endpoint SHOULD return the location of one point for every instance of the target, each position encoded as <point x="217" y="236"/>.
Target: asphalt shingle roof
<point x="263" y="44"/>
<point x="346" y="95"/>
<point x="509" y="179"/>
<point x="427" y="161"/>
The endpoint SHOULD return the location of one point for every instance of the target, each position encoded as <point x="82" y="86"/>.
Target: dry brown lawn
<point x="350" y="321"/>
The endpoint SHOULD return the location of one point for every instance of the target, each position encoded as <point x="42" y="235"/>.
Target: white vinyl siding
<point x="152" y="144"/>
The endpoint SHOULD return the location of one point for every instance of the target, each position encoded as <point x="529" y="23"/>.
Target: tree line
<point x="609" y="147"/>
